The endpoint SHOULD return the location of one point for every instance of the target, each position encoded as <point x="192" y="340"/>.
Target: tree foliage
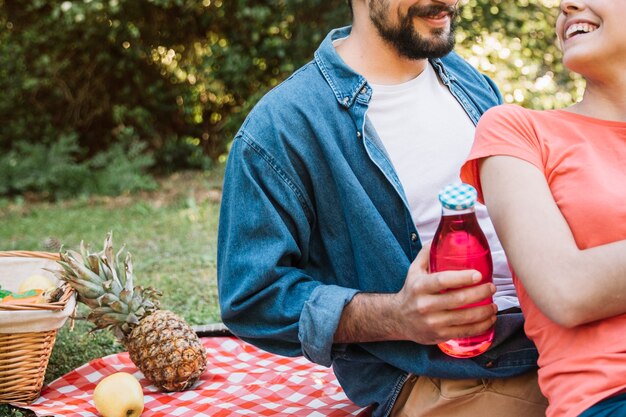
<point x="514" y="43"/>
<point x="179" y="76"/>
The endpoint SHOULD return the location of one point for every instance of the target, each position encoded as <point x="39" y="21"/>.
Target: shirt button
<point x="358" y="134"/>
<point x="414" y="237"/>
<point x="346" y="100"/>
<point x="363" y="90"/>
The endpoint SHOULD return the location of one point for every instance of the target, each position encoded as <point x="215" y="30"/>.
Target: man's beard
<point x="407" y="41"/>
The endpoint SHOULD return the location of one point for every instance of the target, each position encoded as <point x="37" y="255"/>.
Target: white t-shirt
<point x="428" y="136"/>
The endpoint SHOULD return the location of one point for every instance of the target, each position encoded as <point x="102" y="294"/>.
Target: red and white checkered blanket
<point x="240" y="380"/>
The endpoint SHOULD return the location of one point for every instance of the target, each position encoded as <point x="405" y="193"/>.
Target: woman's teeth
<point x="579" y="28"/>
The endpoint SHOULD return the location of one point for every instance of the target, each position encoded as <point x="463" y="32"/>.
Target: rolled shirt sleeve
<point x="319" y="320"/>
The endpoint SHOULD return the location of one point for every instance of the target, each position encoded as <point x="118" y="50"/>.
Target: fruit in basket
<point x="161" y="344"/>
<point x="36" y="282"/>
<point x="119" y="395"/>
<point x="30" y="296"/>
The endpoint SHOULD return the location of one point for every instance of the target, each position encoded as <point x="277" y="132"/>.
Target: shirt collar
<point x="343" y="80"/>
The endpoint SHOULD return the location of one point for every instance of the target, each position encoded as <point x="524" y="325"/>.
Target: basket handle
<point x="29" y="254"/>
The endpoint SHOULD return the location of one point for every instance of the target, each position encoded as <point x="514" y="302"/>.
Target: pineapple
<point x="161" y="344"/>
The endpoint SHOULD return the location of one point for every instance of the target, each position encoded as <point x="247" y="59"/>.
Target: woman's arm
<point x="569" y="285"/>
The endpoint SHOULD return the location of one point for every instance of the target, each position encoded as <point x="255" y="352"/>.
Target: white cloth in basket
<point x="13" y="270"/>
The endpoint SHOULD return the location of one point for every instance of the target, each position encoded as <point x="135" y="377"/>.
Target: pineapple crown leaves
<point x="105" y="285"/>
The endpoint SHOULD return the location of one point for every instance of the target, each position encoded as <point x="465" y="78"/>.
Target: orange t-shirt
<point x="584" y="162"/>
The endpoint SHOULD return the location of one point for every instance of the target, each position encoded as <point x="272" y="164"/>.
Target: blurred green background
<point x="102" y="96"/>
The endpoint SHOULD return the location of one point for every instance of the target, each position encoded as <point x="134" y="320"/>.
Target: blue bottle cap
<point x="458" y="196"/>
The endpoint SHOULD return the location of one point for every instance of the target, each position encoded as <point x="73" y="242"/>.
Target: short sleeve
<point x="506" y="130"/>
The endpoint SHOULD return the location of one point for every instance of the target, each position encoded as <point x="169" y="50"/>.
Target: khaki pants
<point x="433" y="397"/>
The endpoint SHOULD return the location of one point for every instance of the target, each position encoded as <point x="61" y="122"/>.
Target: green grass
<point x="171" y="234"/>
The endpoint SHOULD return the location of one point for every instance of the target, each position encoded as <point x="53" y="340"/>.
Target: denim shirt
<point x="313" y="213"/>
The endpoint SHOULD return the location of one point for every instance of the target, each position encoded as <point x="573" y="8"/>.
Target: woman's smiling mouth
<point x="579" y="28"/>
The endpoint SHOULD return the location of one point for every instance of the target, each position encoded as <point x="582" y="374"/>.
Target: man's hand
<point x="420" y="311"/>
<point x="430" y="316"/>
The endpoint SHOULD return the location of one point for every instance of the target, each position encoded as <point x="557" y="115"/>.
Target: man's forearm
<point x="422" y="311"/>
<point x="369" y="318"/>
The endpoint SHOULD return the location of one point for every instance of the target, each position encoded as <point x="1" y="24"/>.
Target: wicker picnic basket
<point x="28" y="331"/>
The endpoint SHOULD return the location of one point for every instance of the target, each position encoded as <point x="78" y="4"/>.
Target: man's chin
<point x="426" y="50"/>
<point x="411" y="43"/>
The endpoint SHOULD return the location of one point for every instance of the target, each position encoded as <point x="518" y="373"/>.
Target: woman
<point x="555" y="186"/>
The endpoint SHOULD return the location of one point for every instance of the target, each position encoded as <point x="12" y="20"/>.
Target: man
<point x="329" y="194"/>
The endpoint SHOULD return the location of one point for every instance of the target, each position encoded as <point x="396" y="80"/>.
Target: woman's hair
<point x="350" y="4"/>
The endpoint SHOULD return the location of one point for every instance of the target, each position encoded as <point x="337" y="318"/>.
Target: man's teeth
<point x="577" y="28"/>
<point x="441" y="15"/>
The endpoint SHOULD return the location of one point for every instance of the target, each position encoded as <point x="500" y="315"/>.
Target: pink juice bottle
<point x="460" y="244"/>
